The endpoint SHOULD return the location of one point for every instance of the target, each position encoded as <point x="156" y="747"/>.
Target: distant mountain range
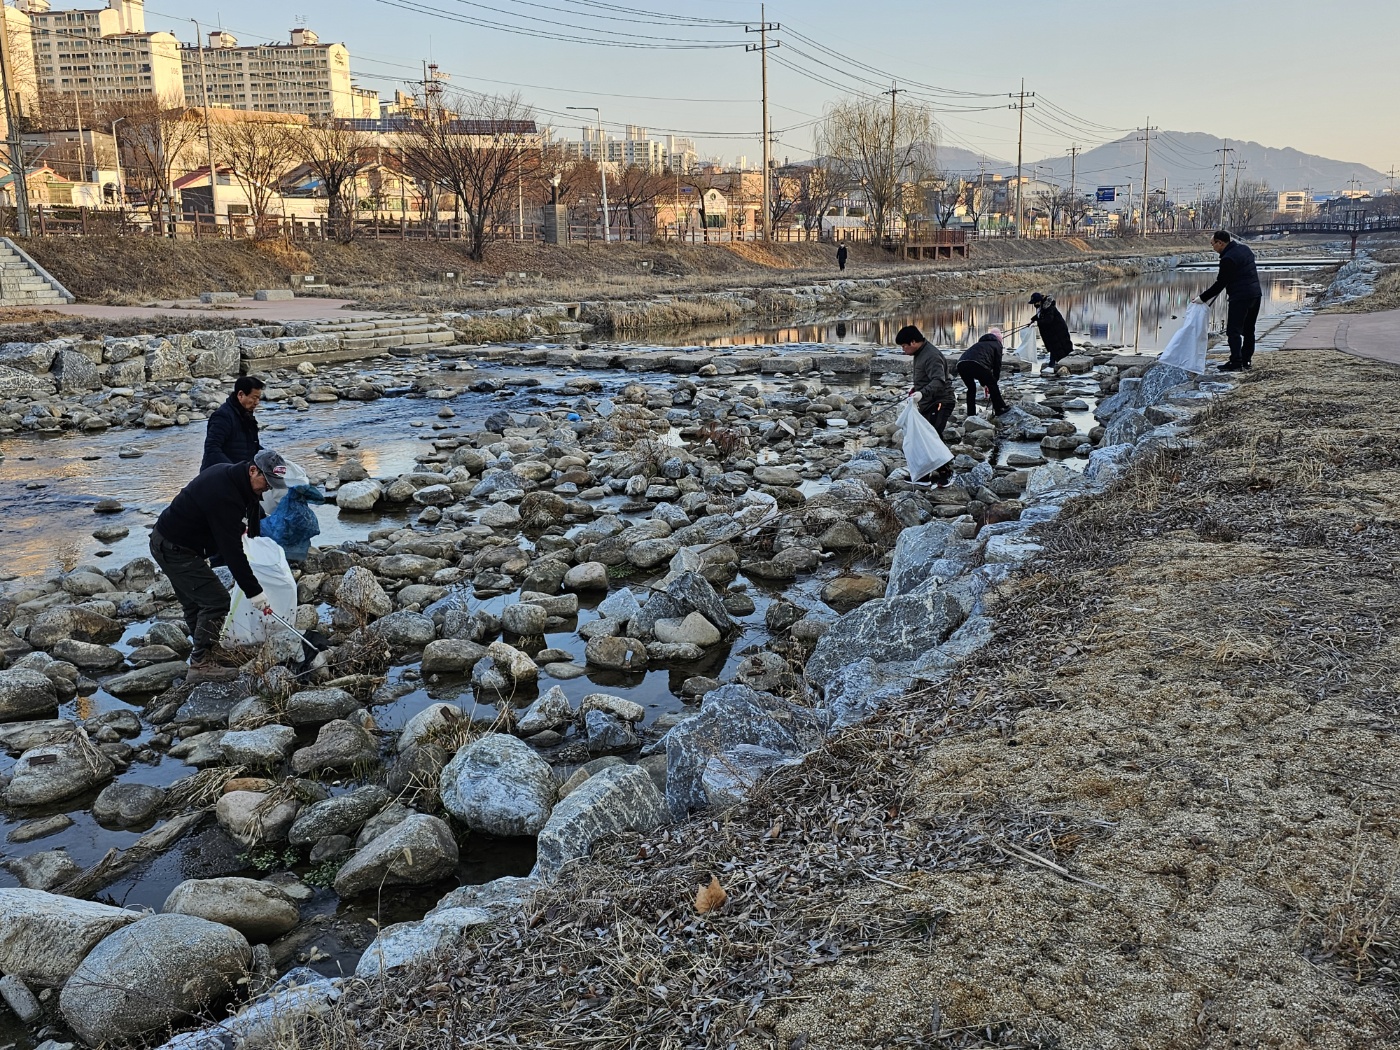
<point x="1186" y="159"/>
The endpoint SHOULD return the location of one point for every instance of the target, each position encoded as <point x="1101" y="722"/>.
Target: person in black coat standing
<point x="1054" y="332"/>
<point x="232" y="434"/>
<point x="1239" y="277"/>
<point x="841" y="255"/>
<point x="980" y="364"/>
<point x="209" y="517"/>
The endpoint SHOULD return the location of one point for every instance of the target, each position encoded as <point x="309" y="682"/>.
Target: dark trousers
<point x="1239" y="328"/>
<point x="841" y="263"/>
<point x="937" y="412"/>
<point x="201" y="595"/>
<point x="974" y="375"/>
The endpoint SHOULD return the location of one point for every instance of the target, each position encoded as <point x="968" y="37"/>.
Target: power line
<point x="657" y="44"/>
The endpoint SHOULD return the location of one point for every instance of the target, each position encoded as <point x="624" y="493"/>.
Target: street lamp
<point x="208" y="134"/>
<point x="602" y="166"/>
<point x="117" y="147"/>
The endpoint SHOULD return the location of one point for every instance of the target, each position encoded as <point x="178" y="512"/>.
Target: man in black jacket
<point x="841" y="255"/>
<point x="1054" y="332"/>
<point x="209" y="516"/>
<point x="932" y="388"/>
<point x="232" y="434"/>
<point x="981" y="364"/>
<point x="1240" y="279"/>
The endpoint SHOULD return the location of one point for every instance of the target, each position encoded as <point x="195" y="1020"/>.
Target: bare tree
<point x="977" y="199"/>
<point x="158" y="140"/>
<point x="477" y="147"/>
<point x="701" y="183"/>
<point x="943" y="195"/>
<point x="260" y="152"/>
<point x="637" y="191"/>
<point x="336" y="153"/>
<point x="1250" y="203"/>
<point x="874" y="143"/>
<point x="821" y="188"/>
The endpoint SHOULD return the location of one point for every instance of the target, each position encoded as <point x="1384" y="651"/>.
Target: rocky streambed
<point x="610" y="601"/>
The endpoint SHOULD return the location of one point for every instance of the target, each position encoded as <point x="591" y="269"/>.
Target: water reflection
<point x="1141" y="312"/>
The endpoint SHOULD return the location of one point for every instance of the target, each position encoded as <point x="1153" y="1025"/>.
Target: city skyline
<point x="1091" y="73"/>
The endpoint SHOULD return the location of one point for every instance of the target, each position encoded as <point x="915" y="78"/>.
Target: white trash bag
<point x="1025" y="348"/>
<point x="294" y="476"/>
<point x="246" y="625"/>
<point x="1187" y="349"/>
<point x="924" y="450"/>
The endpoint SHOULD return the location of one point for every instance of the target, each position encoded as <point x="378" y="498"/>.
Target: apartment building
<point x="304" y="76"/>
<point x="103" y="54"/>
<point x="656" y="155"/>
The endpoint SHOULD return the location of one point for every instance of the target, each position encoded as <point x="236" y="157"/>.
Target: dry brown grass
<point x="1386" y="296"/>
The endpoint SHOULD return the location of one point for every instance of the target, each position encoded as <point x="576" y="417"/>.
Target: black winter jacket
<point x="985" y="352"/>
<point x="209" y="516"/>
<point x="1054" y="332"/>
<point x="931" y="377"/>
<point x="1237" y="275"/>
<point x="232" y="436"/>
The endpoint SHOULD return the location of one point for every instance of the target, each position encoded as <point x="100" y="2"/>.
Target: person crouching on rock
<point x="932" y="388"/>
<point x="1054" y="332"/>
<point x="209" y="516"/>
<point x="980" y="365"/>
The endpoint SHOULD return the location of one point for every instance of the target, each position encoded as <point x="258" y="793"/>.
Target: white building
<point x="656" y="155"/>
<point x="304" y="76"/>
<point x="103" y="54"/>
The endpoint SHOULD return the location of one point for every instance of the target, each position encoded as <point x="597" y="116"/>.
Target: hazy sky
<point x="1321" y="77"/>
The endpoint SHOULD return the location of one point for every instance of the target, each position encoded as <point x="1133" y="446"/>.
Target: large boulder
<point x="499" y="785"/>
<point x="263" y="747"/>
<point x="418" y="850"/>
<point x="44" y="937"/>
<point x="339" y="745"/>
<point x="923" y="552"/>
<point x="158" y="970"/>
<point x="406" y="943"/>
<point x="73" y="621"/>
<point x="26" y="694"/>
<point x="617" y="799"/>
<point x="341" y="815"/>
<point x="258" y="910"/>
<point x="358" y="495"/>
<point x="889" y="630"/>
<point x="58" y="771"/>
<point x="360" y="592"/>
<point x="731" y="718"/>
<point x="314" y="706"/>
<point x="253" y="818"/>
<point x="404" y="630"/>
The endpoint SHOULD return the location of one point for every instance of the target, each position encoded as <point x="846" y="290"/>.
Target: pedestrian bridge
<point x="1338" y="228"/>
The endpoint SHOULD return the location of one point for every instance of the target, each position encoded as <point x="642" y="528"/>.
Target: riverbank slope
<point x="1157" y="811"/>
<point x="408" y="274"/>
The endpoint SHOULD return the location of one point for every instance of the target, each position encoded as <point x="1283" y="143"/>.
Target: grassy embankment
<point x="1158" y="812"/>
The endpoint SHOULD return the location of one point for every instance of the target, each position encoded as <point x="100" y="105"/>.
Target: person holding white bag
<point x="932" y="385"/>
<point x="210" y="516"/>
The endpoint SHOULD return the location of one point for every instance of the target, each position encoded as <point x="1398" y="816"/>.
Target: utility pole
<point x="208" y="137"/>
<point x="1390" y="176"/>
<point x="893" y="92"/>
<point x="1020" y="104"/>
<point x="1074" y="150"/>
<point x="1224" y="152"/>
<point x="764" y="28"/>
<point x="12" y="136"/>
<point x="1146" y="141"/>
<point x="602" y="167"/>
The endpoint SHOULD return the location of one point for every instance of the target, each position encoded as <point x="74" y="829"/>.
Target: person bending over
<point x="209" y="516"/>
<point x="980" y="365"/>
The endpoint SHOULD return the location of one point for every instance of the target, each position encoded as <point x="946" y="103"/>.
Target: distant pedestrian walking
<point x="841" y="255"/>
<point x="232" y="432"/>
<point x="1054" y="332"/>
<point x="980" y="365"/>
<point x="1239" y="278"/>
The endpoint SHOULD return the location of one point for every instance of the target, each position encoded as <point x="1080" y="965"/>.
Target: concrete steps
<point x="24" y="283"/>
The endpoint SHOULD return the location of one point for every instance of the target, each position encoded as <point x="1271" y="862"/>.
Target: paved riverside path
<point x="310" y="308"/>
<point x="1374" y="335"/>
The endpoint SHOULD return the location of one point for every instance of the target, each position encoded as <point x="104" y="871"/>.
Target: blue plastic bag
<point x="293" y="523"/>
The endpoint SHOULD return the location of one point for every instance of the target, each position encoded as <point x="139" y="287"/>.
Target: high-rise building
<point x="19" y="54"/>
<point x="103" y="54"/>
<point x="304" y="76"/>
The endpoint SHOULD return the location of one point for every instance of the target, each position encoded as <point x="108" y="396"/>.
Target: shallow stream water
<point x="49" y="486"/>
